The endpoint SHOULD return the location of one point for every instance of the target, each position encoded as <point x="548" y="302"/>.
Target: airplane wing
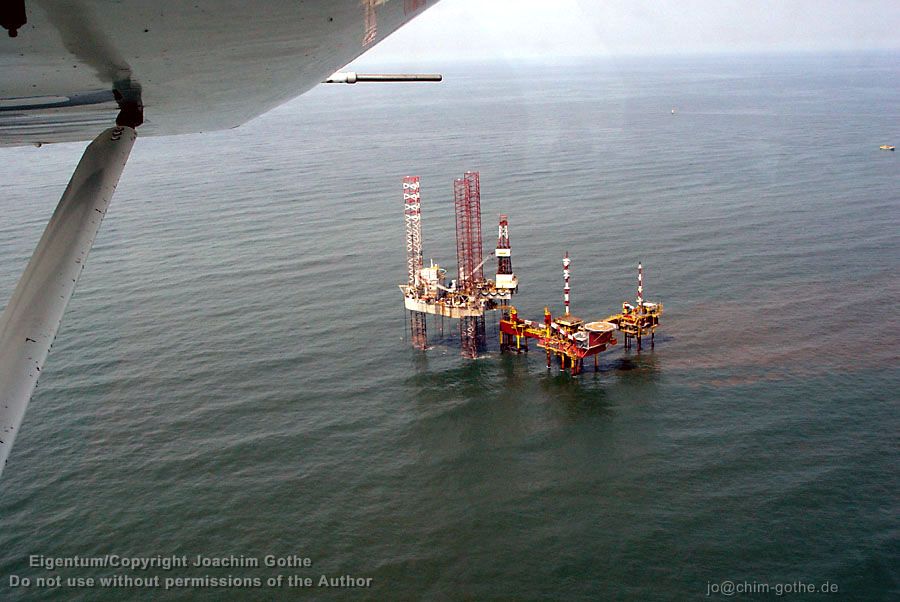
<point x="73" y="68"/>
<point x="193" y="66"/>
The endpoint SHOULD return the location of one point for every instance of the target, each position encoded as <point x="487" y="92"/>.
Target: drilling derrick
<point x="469" y="252"/>
<point x="473" y="192"/>
<point x="503" y="253"/>
<point x="467" y="199"/>
<point x="414" y="262"/>
<point x="505" y="279"/>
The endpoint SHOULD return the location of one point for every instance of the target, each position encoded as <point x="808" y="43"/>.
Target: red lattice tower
<point x="370" y="20"/>
<point x="469" y="249"/>
<point x="463" y="246"/>
<point x="474" y="190"/>
<point x="412" y="6"/>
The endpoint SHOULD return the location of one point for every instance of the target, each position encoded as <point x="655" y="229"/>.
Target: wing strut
<point x="31" y="319"/>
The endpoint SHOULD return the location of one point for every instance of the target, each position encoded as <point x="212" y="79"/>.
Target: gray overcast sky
<point x="561" y="28"/>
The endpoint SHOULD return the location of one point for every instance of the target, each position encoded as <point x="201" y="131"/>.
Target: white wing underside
<point x="196" y="66"/>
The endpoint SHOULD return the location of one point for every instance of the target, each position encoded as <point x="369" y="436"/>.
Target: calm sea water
<point x="232" y="377"/>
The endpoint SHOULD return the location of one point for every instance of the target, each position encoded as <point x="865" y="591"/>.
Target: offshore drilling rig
<point x="470" y="295"/>
<point x="467" y="298"/>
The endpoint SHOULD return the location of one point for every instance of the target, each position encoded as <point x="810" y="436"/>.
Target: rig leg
<point x="480" y="335"/>
<point x="639" y="343"/>
<point x="548" y="361"/>
<point x="468" y="337"/>
<point x="652" y="342"/>
<point x="418" y="329"/>
<point x="595" y="363"/>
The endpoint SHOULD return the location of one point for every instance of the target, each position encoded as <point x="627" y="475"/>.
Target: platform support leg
<point x="418" y="329"/>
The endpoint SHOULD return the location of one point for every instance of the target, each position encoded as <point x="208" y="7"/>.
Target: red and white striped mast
<point x="566" y="276"/>
<point x="640" y="292"/>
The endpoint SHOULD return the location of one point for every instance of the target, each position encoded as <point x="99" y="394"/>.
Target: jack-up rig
<point x="467" y="298"/>
<point x="470" y="295"/>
